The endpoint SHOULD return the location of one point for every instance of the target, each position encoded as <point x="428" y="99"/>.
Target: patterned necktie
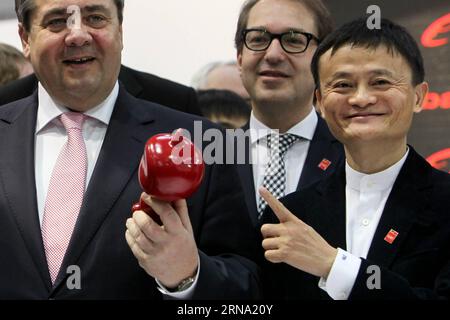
<point x="275" y="172"/>
<point x="65" y="193"/>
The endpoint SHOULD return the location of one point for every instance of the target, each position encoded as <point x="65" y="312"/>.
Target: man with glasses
<point x="291" y="146"/>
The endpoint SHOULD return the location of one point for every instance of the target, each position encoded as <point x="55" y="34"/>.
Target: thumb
<point x="180" y="206"/>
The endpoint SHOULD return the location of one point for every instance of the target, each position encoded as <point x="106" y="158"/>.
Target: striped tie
<point x="65" y="193"/>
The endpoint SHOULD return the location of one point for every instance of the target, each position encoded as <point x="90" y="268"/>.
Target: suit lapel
<point x="406" y="204"/>
<point x="245" y="172"/>
<point x="331" y="221"/>
<point x="18" y="176"/>
<point x="246" y="175"/>
<point x="117" y="162"/>
<point x="319" y="150"/>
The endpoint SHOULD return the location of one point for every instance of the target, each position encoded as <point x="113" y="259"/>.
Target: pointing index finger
<point x="278" y="208"/>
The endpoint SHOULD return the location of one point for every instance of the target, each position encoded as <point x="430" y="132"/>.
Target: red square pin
<point x="324" y="164"/>
<point x="391" y="235"/>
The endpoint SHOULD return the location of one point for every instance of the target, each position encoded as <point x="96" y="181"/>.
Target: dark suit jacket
<point x="323" y="146"/>
<point x="141" y="85"/>
<point x="108" y="268"/>
<point x="415" y="266"/>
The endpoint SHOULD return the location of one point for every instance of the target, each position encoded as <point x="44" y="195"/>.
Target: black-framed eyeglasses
<point x="291" y="41"/>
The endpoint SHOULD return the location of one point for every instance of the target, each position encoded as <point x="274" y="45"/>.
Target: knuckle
<point x="142" y="241"/>
<point x="166" y="211"/>
<point x="282" y="253"/>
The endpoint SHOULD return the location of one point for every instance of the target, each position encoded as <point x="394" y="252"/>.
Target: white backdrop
<point x="170" y="38"/>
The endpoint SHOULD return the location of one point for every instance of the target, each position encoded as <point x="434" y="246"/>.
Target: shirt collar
<point x="48" y="109"/>
<point x="379" y="181"/>
<point x="304" y="128"/>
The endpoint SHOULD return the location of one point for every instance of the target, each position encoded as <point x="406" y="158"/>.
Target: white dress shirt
<point x="366" y="196"/>
<point x="294" y="158"/>
<point x="51" y="137"/>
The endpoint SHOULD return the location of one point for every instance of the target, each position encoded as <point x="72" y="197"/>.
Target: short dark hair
<point x="322" y="19"/>
<point x="356" y="33"/>
<point x="24" y="9"/>
<point x="223" y="103"/>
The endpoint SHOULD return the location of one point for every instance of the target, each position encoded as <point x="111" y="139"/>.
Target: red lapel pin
<point x="324" y="164"/>
<point x="391" y="235"/>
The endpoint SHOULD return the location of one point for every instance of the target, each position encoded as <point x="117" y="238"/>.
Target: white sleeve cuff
<point x="182" y="295"/>
<point x="342" y="276"/>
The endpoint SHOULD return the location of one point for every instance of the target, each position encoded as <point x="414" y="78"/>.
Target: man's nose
<point x="78" y="36"/>
<point x="362" y="97"/>
<point x="275" y="52"/>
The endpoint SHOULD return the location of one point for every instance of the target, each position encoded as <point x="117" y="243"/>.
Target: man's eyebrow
<point x="337" y="75"/>
<point x="375" y="72"/>
<point x="54" y="12"/>
<point x="286" y="30"/>
<point x="63" y="11"/>
<point x="382" y="72"/>
<point x="96" y="7"/>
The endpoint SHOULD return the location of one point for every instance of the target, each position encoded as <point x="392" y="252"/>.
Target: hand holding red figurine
<point x="171" y="168"/>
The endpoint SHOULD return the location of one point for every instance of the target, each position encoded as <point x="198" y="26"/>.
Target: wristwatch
<point x="183" y="285"/>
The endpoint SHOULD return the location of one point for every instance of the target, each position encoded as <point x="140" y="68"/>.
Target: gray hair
<point x="24" y="8"/>
<point x="200" y="78"/>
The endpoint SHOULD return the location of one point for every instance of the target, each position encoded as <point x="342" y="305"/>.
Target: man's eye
<point x="342" y="85"/>
<point x="295" y="41"/>
<point x="57" y="23"/>
<point x="258" y="39"/>
<point x="381" y="82"/>
<point x="96" y="20"/>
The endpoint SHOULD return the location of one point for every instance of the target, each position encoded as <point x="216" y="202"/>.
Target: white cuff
<point x="342" y="277"/>
<point x="182" y="295"/>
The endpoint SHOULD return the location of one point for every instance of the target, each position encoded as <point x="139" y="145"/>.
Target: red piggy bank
<point x="171" y="168"/>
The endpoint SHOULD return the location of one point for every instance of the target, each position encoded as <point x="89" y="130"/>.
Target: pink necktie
<point x="65" y="193"/>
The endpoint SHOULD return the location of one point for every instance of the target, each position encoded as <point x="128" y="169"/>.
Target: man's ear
<point x="239" y="60"/>
<point x="421" y="91"/>
<point x="121" y="36"/>
<point x="319" y="105"/>
<point x="24" y="38"/>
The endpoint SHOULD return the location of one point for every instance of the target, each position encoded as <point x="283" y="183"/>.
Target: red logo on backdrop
<point x="433" y="35"/>
<point x="434" y="101"/>
<point x="440" y="160"/>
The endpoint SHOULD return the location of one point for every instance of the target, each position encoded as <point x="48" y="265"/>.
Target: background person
<point x="224" y="107"/>
<point x="13" y="64"/>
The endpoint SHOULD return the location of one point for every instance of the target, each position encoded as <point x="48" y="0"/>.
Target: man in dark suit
<point x="276" y="73"/>
<point x="68" y="178"/>
<point x="379" y="227"/>
<point x="140" y="84"/>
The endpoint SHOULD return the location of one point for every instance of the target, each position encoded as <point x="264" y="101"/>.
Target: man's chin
<point x="267" y="98"/>
<point x="79" y="86"/>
